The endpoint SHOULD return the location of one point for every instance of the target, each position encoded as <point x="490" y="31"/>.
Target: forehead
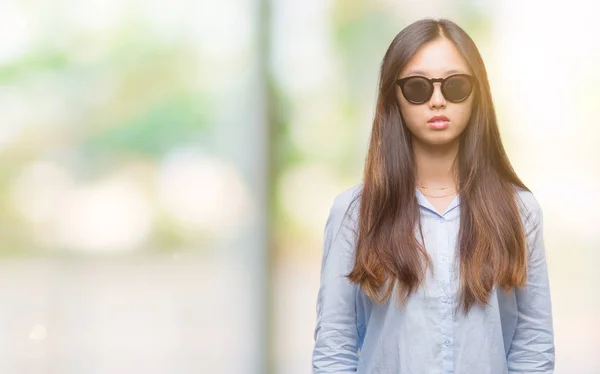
<point x="438" y="58"/>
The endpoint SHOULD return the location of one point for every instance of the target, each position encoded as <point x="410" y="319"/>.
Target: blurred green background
<point x="166" y="169"/>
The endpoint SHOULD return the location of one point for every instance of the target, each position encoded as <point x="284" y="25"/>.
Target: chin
<point x="438" y="140"/>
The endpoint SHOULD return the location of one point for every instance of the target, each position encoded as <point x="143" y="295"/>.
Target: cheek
<point x="411" y="114"/>
<point x="463" y="114"/>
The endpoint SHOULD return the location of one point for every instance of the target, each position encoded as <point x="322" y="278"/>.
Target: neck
<point x="434" y="165"/>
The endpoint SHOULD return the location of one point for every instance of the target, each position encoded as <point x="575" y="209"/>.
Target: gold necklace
<point x="428" y="188"/>
<point x="450" y="194"/>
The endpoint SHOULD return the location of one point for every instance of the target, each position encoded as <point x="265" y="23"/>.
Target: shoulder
<point x="529" y="207"/>
<point x="341" y="228"/>
<point x="349" y="196"/>
<point x="346" y="206"/>
<point x="527" y="200"/>
<point x="347" y="201"/>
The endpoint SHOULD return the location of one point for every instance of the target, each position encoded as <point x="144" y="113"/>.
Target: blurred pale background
<point x="166" y="170"/>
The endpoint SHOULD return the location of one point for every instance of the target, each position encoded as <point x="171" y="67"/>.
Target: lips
<point x="439" y="118"/>
<point x="439" y="122"/>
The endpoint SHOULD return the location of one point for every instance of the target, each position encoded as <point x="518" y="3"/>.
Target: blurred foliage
<point x="127" y="96"/>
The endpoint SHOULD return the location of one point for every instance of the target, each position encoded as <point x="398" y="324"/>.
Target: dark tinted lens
<point x="417" y="90"/>
<point x="457" y="88"/>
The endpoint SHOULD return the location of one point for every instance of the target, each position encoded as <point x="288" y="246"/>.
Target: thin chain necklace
<point x="433" y="196"/>
<point x="429" y="188"/>
<point x="450" y="194"/>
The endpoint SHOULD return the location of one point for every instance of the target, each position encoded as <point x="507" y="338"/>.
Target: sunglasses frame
<point x="401" y="82"/>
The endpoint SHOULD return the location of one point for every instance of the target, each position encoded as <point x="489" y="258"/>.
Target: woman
<point x="435" y="263"/>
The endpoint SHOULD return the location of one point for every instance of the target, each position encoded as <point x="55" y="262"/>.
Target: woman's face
<point x="436" y="59"/>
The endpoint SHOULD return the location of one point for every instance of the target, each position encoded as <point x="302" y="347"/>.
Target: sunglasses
<point x="418" y="90"/>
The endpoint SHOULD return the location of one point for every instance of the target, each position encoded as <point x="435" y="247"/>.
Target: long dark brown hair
<point x="491" y="238"/>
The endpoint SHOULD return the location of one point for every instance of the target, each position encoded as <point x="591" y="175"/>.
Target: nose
<point x="437" y="100"/>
